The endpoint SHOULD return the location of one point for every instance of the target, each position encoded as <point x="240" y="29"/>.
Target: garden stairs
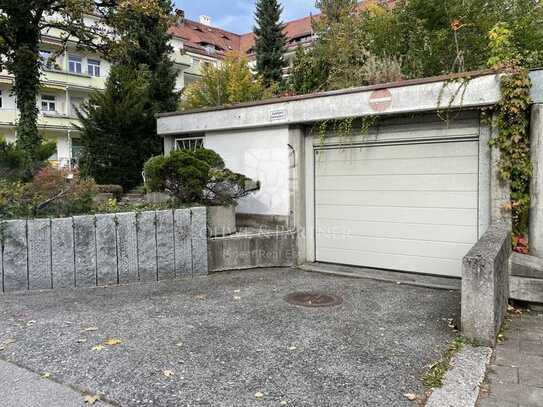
<point x="526" y="282"/>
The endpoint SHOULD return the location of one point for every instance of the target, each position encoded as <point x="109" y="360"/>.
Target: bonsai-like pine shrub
<point x="197" y="177"/>
<point x="180" y="174"/>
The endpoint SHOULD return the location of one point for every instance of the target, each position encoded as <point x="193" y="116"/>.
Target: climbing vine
<point x="512" y="121"/>
<point x="513" y="141"/>
<point x="344" y="128"/>
<point x="444" y="113"/>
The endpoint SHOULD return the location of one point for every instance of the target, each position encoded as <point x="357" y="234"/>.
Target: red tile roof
<point x="197" y="36"/>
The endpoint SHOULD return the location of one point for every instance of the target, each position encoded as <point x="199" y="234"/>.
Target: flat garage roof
<point x="466" y="90"/>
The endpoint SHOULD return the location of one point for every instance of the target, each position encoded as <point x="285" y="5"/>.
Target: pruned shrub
<point x="197" y="177"/>
<point x="181" y="174"/>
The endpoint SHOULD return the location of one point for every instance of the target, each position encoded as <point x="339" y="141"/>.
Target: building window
<point x="192" y="143"/>
<point x="48" y="103"/>
<point x="75" y="64"/>
<point x="93" y="67"/>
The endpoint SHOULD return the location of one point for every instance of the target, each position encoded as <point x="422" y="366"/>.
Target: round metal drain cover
<point x="313" y="299"/>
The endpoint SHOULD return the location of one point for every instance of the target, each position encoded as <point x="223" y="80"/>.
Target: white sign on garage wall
<point x="278" y="115"/>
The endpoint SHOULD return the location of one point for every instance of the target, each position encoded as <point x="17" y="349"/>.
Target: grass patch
<point x="433" y="378"/>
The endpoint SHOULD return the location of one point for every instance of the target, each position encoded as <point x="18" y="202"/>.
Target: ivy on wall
<point x="513" y="141"/>
<point x="512" y="121"/>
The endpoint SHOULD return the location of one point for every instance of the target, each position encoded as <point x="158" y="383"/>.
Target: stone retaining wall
<point x="485" y="285"/>
<point x="100" y="250"/>
<point x="240" y="252"/>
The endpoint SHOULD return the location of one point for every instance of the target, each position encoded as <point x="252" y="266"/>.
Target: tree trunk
<point x="26" y="87"/>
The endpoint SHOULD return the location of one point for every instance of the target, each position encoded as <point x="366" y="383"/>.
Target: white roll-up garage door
<point x="408" y="205"/>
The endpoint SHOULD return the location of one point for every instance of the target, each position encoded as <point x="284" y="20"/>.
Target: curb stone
<point x="461" y="383"/>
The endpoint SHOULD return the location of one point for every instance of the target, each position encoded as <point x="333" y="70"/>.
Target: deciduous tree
<point x="22" y="24"/>
<point x="227" y="83"/>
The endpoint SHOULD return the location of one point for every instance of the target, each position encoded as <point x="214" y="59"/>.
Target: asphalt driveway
<point x="232" y="340"/>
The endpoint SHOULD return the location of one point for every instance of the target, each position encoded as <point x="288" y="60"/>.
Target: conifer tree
<point x="270" y="41"/>
<point x="119" y="126"/>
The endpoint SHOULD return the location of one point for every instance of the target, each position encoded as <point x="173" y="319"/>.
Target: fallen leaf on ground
<point x="97" y="348"/>
<point x="90" y="329"/>
<point x="46" y="375"/>
<point x="410" y="396"/>
<point x="113" y="342"/>
<point x="168" y="373"/>
<point x="292" y="348"/>
<point x="81" y="340"/>
<point x="30" y="323"/>
<point x="200" y="297"/>
<point x="179" y="344"/>
<point x="259" y="395"/>
<point x="283" y="403"/>
<point x="91" y="399"/>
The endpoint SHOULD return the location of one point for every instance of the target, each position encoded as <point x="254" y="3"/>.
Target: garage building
<point x="409" y="186"/>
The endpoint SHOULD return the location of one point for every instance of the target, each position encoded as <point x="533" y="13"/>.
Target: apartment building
<point x="69" y="78"/>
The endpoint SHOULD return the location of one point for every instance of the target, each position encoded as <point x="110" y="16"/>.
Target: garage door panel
<point x="411" y="207"/>
<point x="441" y="233"/>
<point x="405" y="151"/>
<point x="407" y="247"/>
<point x="394" y="262"/>
<point x="399" y="166"/>
<point x="440" y="182"/>
<point x="431" y="216"/>
<point x="411" y="199"/>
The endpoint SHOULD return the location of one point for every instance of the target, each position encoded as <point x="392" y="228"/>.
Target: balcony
<point x="51" y="120"/>
<point x="64" y="78"/>
<point x="182" y="59"/>
<point x="57" y="120"/>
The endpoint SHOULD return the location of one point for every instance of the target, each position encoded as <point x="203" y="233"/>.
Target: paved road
<point x="227" y="339"/>
<point x="23" y="388"/>
<point x="516" y="377"/>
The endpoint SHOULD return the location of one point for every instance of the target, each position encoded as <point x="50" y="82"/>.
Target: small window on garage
<point x="190" y="143"/>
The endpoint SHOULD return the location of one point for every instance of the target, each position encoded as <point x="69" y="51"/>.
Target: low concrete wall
<point x="221" y="221"/>
<point x="536" y="210"/>
<point x="100" y="250"/>
<point x="485" y="285"/>
<point x="277" y="249"/>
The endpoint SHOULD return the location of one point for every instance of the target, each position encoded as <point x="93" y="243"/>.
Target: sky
<point x="238" y="15"/>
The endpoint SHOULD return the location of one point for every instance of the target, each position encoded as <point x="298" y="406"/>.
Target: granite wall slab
<point x="102" y="250"/>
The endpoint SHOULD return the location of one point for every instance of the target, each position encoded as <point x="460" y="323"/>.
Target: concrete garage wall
<point x="263" y="155"/>
<point x="101" y="250"/>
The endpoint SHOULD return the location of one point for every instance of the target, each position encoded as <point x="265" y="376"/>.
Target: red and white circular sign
<point x="380" y="100"/>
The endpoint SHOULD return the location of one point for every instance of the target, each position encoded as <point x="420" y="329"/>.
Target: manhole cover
<point x="313" y="299"/>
